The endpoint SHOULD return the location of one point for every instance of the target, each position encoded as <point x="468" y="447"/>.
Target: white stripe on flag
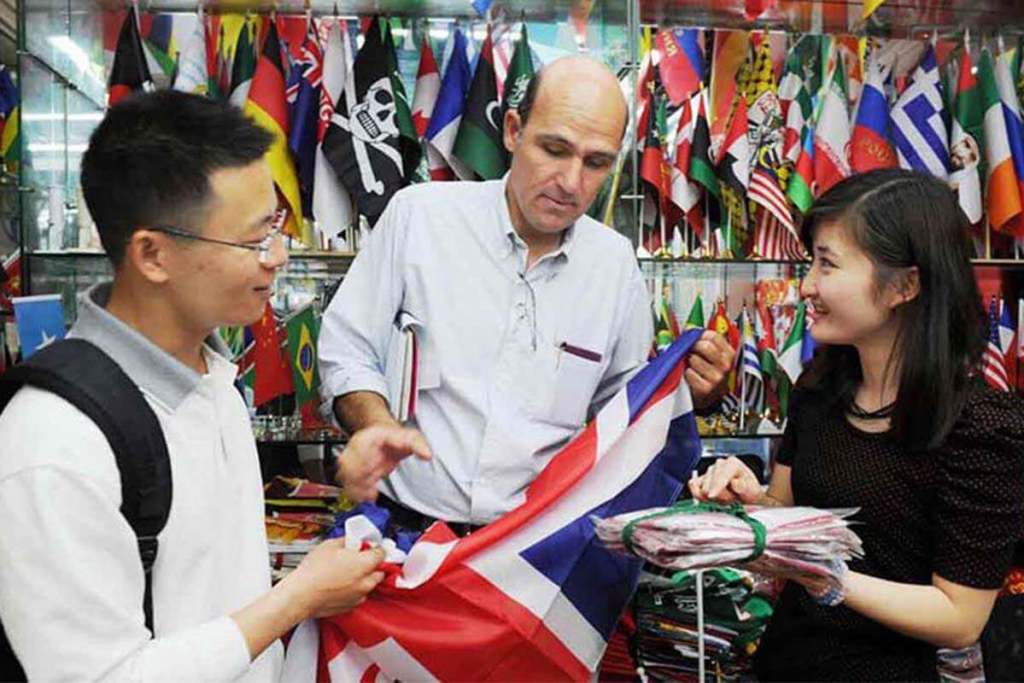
<point x="612" y="420"/>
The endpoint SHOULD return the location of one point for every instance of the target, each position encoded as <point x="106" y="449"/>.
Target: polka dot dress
<point x="955" y="511"/>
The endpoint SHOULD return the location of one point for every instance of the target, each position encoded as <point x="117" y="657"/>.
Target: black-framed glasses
<point x="262" y="249"/>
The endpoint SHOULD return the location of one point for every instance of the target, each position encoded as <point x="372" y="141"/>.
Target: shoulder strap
<point x="82" y="374"/>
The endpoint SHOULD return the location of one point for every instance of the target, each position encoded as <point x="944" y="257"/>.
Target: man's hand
<point x="333" y="579"/>
<point x="372" y="453"/>
<point x="710" y="363"/>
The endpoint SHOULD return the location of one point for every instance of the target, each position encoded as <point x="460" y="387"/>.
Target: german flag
<point x="130" y="71"/>
<point x="268" y="106"/>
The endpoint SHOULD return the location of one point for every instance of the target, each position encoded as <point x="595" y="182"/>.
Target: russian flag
<point x="444" y="121"/>
<point x="869" y="146"/>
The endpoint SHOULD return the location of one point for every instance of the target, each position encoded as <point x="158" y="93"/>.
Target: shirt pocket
<point x="574" y="383"/>
<point x="412" y="365"/>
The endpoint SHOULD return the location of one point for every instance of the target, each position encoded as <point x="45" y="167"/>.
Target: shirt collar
<point x="508" y="238"/>
<point x="151" y="368"/>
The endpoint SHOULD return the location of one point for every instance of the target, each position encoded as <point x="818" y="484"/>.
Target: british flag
<point x="532" y="596"/>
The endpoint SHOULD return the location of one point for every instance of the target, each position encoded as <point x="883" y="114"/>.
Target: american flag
<point x="772" y="240"/>
<point x="534" y="595"/>
<point x="993" y="363"/>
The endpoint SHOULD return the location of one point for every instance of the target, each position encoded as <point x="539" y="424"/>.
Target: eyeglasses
<point x="263" y="248"/>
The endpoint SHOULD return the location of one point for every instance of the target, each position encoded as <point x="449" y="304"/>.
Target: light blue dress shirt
<point x="512" y="362"/>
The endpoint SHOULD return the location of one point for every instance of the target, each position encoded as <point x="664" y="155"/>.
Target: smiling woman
<point x="891" y="418"/>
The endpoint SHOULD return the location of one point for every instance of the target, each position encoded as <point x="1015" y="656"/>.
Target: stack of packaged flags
<point x="779" y="542"/>
<point x="737" y="609"/>
<point x="299" y="514"/>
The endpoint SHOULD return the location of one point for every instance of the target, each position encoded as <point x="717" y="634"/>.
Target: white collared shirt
<point x="71" y="581"/>
<point x="498" y="393"/>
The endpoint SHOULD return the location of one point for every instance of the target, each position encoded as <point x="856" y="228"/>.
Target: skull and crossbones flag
<point x="362" y="140"/>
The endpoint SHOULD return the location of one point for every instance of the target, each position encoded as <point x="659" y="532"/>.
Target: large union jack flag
<point x="532" y="596"/>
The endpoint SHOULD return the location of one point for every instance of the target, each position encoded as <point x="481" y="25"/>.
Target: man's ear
<point x="148" y="252"/>
<point x="513" y="129"/>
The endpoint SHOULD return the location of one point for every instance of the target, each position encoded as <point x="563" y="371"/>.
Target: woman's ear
<point x="907" y="286"/>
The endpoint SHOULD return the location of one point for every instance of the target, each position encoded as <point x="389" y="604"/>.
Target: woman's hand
<point x="727" y="481"/>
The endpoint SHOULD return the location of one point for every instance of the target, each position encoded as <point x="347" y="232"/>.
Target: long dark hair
<point x="902" y="219"/>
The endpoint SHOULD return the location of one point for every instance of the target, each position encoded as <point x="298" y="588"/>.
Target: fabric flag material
<point x="1003" y="199"/>
<point x="795" y="99"/>
<point x="408" y="138"/>
<point x="734" y="157"/>
<point x="767" y="352"/>
<point x="751" y="378"/>
<point x="682" y="65"/>
<point x="193" y="75"/>
<point x="869" y="144"/>
<point x="273" y="374"/>
<point x="537" y="584"/>
<point x="695" y="319"/>
<point x="362" y="141"/>
<point x="332" y="206"/>
<point x="302" y="330"/>
<point x="307" y="76"/>
<point x="478" y="142"/>
<point x="267" y="106"/>
<point x="964" y="147"/>
<point x="801" y="187"/>
<point x="444" y="123"/>
<point x="918" y="123"/>
<point x="791" y="358"/>
<point x="832" y="133"/>
<point x="656" y="172"/>
<point x="993" y="364"/>
<point x="40" y="321"/>
<point x="520" y="73"/>
<point x="10" y="147"/>
<point x="428" y="85"/>
<point x="243" y="65"/>
<point x="686" y="194"/>
<point x="702" y="167"/>
<point x="130" y="71"/>
<point x="1005" y="82"/>
<point x="1008" y="341"/>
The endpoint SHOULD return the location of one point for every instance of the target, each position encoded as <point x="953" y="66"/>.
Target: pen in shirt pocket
<point x="580" y="352"/>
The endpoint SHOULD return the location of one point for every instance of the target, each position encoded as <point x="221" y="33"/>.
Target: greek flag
<point x="918" y="126"/>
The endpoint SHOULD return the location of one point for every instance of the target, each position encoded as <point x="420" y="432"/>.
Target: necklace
<point x="881" y="414"/>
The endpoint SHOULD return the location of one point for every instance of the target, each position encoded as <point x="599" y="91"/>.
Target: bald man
<point x="528" y="316"/>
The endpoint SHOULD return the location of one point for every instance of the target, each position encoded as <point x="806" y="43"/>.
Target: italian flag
<point x="790" y="358"/>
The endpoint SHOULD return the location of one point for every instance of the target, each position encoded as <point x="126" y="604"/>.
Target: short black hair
<point x="149" y="161"/>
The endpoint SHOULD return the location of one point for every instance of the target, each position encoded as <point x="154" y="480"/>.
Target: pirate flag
<point x="362" y="141"/>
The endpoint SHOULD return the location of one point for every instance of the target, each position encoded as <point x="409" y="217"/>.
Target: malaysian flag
<point x="993" y="363"/>
<point x="534" y="595"/>
<point x="774" y="241"/>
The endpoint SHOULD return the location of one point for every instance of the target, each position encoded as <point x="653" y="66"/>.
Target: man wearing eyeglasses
<point x="184" y="203"/>
<point x="528" y="316"/>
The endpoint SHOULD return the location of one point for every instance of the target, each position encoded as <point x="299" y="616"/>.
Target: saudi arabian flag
<point x="302" y="331"/>
<point x="696" y="317"/>
<point x="520" y="73"/>
<point x="790" y="359"/>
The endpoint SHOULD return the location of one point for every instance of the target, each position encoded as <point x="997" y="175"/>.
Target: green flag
<point x="479" y="141"/>
<point x="303" y="330"/>
<point x="789" y="359"/>
<point x="520" y="73"/>
<point x="696" y="318"/>
<point x="408" y="139"/>
<point x="243" y="67"/>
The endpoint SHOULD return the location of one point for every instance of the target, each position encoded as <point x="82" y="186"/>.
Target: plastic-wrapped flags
<point x="785" y="542"/>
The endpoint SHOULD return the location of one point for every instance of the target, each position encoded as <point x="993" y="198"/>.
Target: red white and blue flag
<point x="534" y="595"/>
<point x="993" y="363"/>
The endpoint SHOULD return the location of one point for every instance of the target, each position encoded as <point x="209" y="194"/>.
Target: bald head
<point x="580" y="82"/>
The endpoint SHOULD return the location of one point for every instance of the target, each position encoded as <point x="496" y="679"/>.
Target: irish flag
<point x="1003" y="193"/>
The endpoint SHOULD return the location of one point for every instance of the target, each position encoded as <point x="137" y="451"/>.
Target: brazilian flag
<point x="303" y="329"/>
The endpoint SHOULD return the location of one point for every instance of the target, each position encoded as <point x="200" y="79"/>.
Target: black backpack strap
<point x="82" y="374"/>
